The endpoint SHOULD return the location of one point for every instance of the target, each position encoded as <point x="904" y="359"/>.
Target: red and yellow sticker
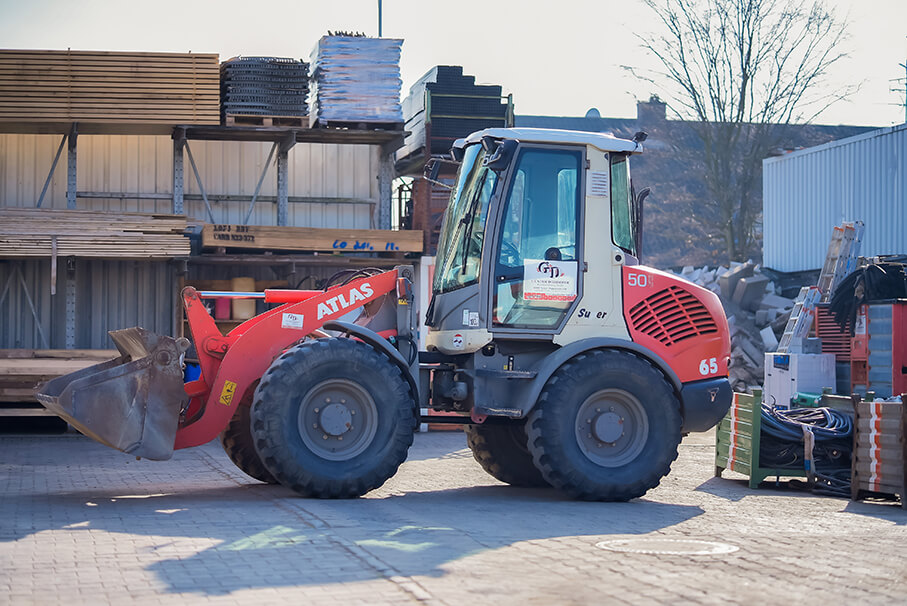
<point x="226" y="396"/>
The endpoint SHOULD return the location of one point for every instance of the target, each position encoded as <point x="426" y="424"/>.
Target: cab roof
<point x="602" y="141"/>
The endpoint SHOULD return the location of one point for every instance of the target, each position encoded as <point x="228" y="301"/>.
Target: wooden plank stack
<point x="109" y="87"/>
<point x="28" y="232"/>
<point x="21" y="370"/>
<point x="267" y="237"/>
<point x="880" y="449"/>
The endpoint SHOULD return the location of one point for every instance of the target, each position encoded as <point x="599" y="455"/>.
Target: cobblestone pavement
<point x="81" y="523"/>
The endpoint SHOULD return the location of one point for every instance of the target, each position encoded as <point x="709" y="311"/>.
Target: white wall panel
<point x="808" y="192"/>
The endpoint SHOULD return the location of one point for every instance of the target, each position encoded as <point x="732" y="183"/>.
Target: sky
<point x="556" y="58"/>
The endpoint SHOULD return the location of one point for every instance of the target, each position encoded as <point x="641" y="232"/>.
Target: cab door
<point x="537" y="257"/>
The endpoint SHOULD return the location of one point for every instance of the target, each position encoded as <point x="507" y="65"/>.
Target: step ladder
<point x="842" y="257"/>
<point x="801" y="318"/>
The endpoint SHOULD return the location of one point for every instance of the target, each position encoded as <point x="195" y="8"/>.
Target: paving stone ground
<point x="84" y="524"/>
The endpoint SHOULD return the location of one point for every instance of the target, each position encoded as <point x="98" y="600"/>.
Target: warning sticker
<point x="226" y="396"/>
<point x="292" y="321"/>
<point x="549" y="280"/>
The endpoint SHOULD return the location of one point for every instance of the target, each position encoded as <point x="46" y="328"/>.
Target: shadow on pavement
<point x="264" y="536"/>
<point x="889" y="510"/>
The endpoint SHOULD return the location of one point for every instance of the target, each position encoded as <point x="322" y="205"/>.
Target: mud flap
<point x="132" y="403"/>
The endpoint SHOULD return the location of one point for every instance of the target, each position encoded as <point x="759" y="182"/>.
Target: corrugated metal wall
<point x="109" y="295"/>
<point x="143" y="164"/>
<point x="808" y="192"/>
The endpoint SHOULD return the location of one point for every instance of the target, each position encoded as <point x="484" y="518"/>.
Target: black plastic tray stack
<point x="264" y="86"/>
<point x="455" y="107"/>
<point x="356" y="82"/>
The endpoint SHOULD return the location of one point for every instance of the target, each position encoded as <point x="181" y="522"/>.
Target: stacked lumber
<point x="269" y="237"/>
<point x="21" y="370"/>
<point x="27" y="232"/>
<point x="109" y="87"/>
<point x="356" y="80"/>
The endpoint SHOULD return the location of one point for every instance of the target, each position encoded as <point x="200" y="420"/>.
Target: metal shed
<point x="807" y="192"/>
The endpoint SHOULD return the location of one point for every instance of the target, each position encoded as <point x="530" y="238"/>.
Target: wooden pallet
<point x="357" y="125"/>
<point x="271" y="121"/>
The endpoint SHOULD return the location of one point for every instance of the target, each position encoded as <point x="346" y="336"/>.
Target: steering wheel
<point x="509" y="250"/>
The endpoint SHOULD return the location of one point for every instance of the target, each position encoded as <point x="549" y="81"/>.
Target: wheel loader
<point x="568" y="363"/>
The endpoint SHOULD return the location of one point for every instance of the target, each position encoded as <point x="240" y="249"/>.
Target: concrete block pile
<point x="756" y="312"/>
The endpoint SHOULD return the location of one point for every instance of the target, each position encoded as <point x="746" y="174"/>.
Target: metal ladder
<point x="800" y="317"/>
<point x="842" y="257"/>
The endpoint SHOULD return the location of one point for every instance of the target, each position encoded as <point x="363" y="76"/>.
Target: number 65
<point x="708" y="366"/>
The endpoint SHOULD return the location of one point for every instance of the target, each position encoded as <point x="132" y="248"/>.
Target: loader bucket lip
<point x="131" y="403"/>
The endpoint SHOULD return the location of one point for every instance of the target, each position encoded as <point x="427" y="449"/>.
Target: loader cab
<point x="513" y="250"/>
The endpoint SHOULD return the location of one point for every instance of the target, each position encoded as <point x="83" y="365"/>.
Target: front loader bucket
<point x="132" y="403"/>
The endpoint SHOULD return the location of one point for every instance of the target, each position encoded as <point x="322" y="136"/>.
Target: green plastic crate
<point x="737" y="441"/>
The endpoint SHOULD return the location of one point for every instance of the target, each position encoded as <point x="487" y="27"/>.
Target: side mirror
<point x="431" y="170"/>
<point x="499" y="158"/>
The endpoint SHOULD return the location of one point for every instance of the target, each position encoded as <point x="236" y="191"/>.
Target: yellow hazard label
<point x="226" y="396"/>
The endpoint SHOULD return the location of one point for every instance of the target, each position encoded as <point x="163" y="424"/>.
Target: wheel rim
<point x="611" y="427"/>
<point x="337" y="419"/>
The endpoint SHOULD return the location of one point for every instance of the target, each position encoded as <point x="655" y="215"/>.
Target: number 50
<point x="637" y="280"/>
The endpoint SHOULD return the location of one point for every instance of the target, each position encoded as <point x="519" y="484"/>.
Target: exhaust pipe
<point x="132" y="403"/>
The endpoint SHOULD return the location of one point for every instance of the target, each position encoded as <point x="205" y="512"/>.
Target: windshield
<point x="460" y="245"/>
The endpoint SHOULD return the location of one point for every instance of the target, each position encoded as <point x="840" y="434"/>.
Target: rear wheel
<point x="501" y="451"/>
<point x="332" y="418"/>
<point x="606" y="427"/>
<point x="237" y="442"/>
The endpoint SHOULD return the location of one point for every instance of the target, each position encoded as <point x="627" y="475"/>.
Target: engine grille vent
<point x="671" y="315"/>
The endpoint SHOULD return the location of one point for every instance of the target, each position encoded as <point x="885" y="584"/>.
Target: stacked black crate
<point x="443" y="106"/>
<point x="264" y="86"/>
<point x="454" y="106"/>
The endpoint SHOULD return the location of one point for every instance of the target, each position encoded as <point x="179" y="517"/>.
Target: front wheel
<point x="332" y="418"/>
<point x="606" y="427"/>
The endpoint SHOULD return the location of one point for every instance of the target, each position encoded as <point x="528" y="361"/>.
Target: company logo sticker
<point x="292" y="321"/>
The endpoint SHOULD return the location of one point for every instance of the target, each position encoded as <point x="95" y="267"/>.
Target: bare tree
<point x="739" y="71"/>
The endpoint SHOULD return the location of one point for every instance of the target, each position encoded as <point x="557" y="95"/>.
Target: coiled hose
<point x="782" y="445"/>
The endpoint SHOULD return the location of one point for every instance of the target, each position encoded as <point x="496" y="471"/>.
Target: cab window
<point x="622" y="227"/>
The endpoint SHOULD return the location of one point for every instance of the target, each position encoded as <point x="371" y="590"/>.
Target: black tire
<point x="606" y="427"/>
<point x="501" y="451"/>
<point x="239" y="446"/>
<point x="320" y="392"/>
